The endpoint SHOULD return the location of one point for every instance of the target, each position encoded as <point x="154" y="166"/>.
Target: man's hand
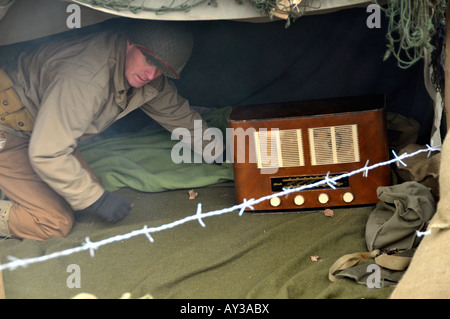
<point x="112" y="207"/>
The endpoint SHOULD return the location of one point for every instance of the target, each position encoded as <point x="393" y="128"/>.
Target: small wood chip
<point x="328" y="212"/>
<point x="192" y="194"/>
<point x="314" y="258"/>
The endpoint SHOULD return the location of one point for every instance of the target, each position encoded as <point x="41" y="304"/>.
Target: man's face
<point x="139" y="71"/>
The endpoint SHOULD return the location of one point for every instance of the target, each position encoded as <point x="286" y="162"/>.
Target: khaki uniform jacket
<point x="75" y="89"/>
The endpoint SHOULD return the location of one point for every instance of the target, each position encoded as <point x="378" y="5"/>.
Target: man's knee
<point x="56" y="227"/>
<point x="61" y="230"/>
<point x="40" y="226"/>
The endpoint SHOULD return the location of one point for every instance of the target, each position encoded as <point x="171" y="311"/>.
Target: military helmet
<point x="165" y="44"/>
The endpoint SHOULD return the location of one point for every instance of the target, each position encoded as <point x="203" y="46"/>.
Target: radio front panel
<point x="274" y="154"/>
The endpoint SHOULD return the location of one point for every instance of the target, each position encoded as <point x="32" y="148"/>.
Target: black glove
<point x="110" y="206"/>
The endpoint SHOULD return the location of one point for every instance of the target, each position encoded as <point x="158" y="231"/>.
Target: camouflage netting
<point x="287" y="9"/>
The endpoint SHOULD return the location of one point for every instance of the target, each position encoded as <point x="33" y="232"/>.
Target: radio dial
<point x="323" y="198"/>
<point x="275" y="201"/>
<point x="299" y="200"/>
<point x="348" y="197"/>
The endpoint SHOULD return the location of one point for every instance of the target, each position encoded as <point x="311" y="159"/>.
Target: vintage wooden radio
<point x="286" y="145"/>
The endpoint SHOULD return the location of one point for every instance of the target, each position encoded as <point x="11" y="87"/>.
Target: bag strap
<point x="348" y="261"/>
<point x="397" y="261"/>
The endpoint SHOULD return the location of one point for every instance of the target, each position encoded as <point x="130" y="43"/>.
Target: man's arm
<point x="173" y="111"/>
<point x="66" y="112"/>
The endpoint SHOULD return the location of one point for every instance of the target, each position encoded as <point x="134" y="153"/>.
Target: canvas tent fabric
<point x="429" y="266"/>
<point x="14" y="14"/>
<point x="249" y="256"/>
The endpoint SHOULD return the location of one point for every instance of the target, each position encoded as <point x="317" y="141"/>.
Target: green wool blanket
<point x="142" y="160"/>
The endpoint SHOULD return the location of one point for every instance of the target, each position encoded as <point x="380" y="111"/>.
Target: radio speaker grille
<point x="334" y="145"/>
<point x="279" y="148"/>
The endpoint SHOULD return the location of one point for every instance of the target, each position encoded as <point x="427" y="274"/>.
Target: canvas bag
<point x="422" y="168"/>
<point x="391" y="230"/>
<point x="402" y="210"/>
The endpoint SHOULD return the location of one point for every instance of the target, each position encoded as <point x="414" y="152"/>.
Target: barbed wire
<point x="199" y="216"/>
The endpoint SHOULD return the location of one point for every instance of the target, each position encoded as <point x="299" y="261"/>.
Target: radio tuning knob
<point x="299" y="200"/>
<point x="275" y="201"/>
<point x="323" y="198"/>
<point x="348" y="197"/>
